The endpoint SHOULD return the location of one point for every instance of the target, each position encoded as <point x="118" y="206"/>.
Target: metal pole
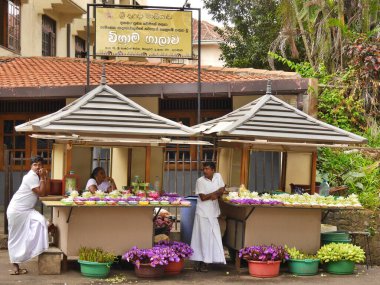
<point x="175" y="172"/>
<point x="199" y="89"/>
<point x="168" y="173"/>
<point x="88" y="50"/>
<point x="183" y="174"/>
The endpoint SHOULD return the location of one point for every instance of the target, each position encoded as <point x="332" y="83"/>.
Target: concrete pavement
<point x="218" y="274"/>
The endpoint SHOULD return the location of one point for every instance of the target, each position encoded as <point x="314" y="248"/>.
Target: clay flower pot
<point x="264" y="269"/>
<point x="147" y="271"/>
<point x="174" y="268"/>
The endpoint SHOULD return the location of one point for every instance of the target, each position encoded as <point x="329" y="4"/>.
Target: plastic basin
<point x="342" y="267"/>
<point x="303" y="267"/>
<point x="94" y="269"/>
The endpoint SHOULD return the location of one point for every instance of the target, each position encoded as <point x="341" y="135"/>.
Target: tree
<point x="250" y="26"/>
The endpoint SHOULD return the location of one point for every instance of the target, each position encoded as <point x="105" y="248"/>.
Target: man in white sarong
<point x="27" y="228"/>
<point x="206" y="239"/>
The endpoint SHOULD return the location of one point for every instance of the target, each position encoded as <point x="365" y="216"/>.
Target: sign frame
<point x="117" y="7"/>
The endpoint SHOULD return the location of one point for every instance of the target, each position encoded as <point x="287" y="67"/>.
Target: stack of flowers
<point x="123" y="197"/>
<point x="155" y="256"/>
<point x="264" y="253"/>
<point x="182" y="250"/>
<point x="253" y="198"/>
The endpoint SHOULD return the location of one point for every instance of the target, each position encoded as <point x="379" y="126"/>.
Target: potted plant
<point x="340" y="258"/>
<point x="95" y="262"/>
<point x="149" y="262"/>
<point x="264" y="260"/>
<point x="177" y="254"/>
<point x="300" y="263"/>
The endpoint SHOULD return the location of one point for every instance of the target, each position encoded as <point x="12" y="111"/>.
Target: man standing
<point x="27" y="229"/>
<point x="206" y="239"/>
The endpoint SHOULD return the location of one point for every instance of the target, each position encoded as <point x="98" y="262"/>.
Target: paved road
<point x="218" y="274"/>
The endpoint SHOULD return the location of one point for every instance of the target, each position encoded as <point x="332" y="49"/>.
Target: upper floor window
<point x="80" y="47"/>
<point x="10" y="19"/>
<point x="49" y="35"/>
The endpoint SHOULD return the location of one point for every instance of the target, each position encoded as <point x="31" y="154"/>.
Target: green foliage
<point x="250" y="27"/>
<point x="296" y="254"/>
<point x="95" y="255"/>
<point x="341" y="251"/>
<point x="336" y="106"/>
<point x="359" y="171"/>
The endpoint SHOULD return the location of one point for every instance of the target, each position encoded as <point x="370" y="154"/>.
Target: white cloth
<point x="206" y="239"/>
<point x="27" y="229"/>
<point x="209" y="208"/>
<point x="102" y="186"/>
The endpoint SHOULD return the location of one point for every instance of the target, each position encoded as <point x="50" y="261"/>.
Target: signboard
<point x="143" y="33"/>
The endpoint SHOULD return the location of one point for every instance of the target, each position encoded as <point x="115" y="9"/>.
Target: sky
<point x="179" y="3"/>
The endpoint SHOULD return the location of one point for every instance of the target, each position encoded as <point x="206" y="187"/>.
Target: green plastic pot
<point x="335" y="236"/>
<point x="303" y="267"/>
<point x="94" y="269"/>
<point x="341" y="267"/>
<point x="326" y="241"/>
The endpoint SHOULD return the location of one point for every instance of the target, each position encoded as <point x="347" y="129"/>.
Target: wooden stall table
<point x="113" y="228"/>
<point x="291" y="225"/>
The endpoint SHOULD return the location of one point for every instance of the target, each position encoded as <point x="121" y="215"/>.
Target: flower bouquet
<point x="176" y="256"/>
<point x="264" y="260"/>
<point x="149" y="262"/>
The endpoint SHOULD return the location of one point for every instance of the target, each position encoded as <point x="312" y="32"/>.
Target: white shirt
<point x="25" y="198"/>
<point x="102" y="186"/>
<point x="209" y="208"/>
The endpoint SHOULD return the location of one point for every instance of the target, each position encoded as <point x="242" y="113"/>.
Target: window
<point x="80" y="47"/>
<point x="16" y="142"/>
<point x="10" y="24"/>
<point x="265" y="171"/>
<point x="48" y="36"/>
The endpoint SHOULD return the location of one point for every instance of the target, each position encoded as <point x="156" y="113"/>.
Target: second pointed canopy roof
<point x="106" y="112"/>
<point x="269" y="118"/>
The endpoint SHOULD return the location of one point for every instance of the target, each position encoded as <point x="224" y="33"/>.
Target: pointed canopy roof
<point x="105" y="112"/>
<point x="269" y="118"/>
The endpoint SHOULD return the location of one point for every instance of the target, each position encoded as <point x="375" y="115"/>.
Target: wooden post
<point x="147" y="164"/>
<point x="129" y="182"/>
<point x="313" y="172"/>
<point x="6" y="186"/>
<point x="283" y="170"/>
<point x="244" y="165"/>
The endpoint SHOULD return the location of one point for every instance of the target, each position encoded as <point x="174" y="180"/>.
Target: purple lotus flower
<point x="181" y="250"/>
<point x="257" y="201"/>
<point x="155" y="256"/>
<point x="264" y="253"/>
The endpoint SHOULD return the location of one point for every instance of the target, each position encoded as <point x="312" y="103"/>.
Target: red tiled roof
<point x="55" y="71"/>
<point x="208" y="32"/>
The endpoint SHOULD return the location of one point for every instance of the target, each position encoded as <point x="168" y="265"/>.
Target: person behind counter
<point x="99" y="181"/>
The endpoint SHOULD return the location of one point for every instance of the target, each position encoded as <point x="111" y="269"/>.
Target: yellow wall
<point x="229" y="162"/>
<point x="119" y="166"/>
<point x="239" y="101"/>
<point x="149" y="103"/>
<point x="58" y="161"/>
<point x="138" y="163"/>
<point x="298" y="169"/>
<point x="156" y="164"/>
<point x="81" y="164"/>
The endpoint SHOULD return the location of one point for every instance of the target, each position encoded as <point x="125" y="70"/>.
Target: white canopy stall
<point x="104" y="117"/>
<point x="266" y="145"/>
